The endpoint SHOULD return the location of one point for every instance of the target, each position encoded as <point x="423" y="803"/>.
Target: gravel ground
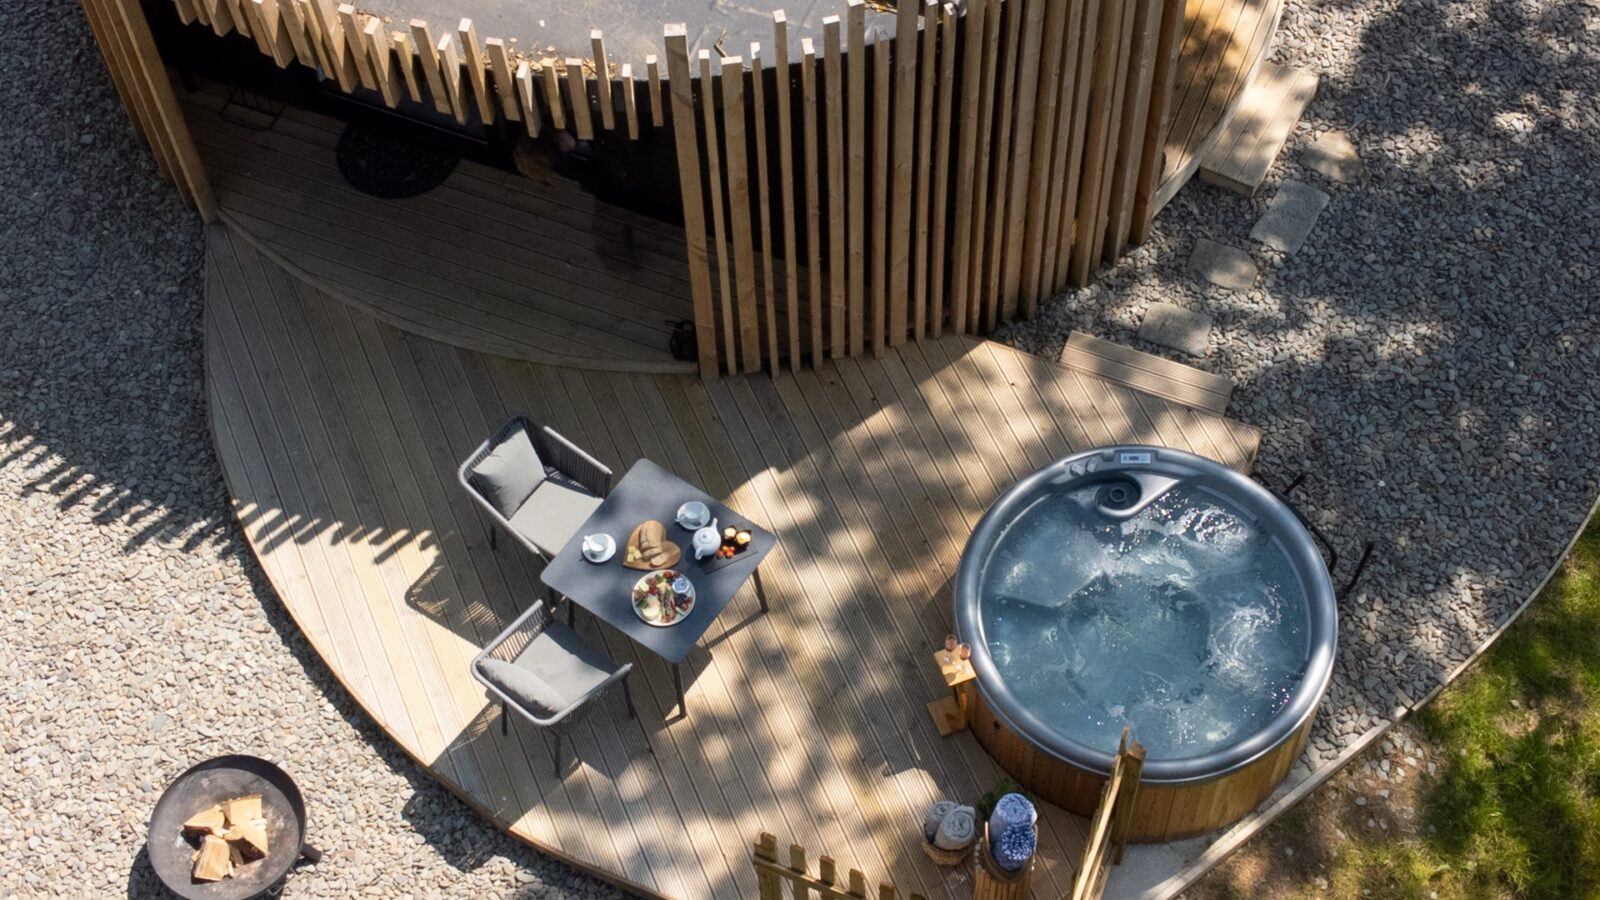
<point x="1431" y="356"/>
<point x="137" y="633"/>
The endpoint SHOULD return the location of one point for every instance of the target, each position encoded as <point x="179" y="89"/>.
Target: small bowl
<point x="597" y="548"/>
<point x="693" y="515"/>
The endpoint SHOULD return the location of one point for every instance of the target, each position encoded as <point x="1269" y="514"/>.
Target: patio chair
<point x="534" y="484"/>
<point x="548" y="674"/>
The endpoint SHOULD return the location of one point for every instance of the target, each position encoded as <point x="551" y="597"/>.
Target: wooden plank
<point x="551" y="72"/>
<point x="769" y="289"/>
<point x="653" y="72"/>
<point x="1153" y="157"/>
<point x="578" y="98"/>
<point x="504" y="84"/>
<point x="382" y="59"/>
<point x="967" y="168"/>
<point x="813" y="175"/>
<point x="879" y="192"/>
<point x="295" y="28"/>
<point x="1052" y="73"/>
<point x="904" y="153"/>
<point x="788" y="216"/>
<point x="719" y="230"/>
<point x="922" y="142"/>
<point x="630" y="101"/>
<point x="1116" y="25"/>
<point x="938" y="214"/>
<point x="833" y="117"/>
<point x="1253" y="138"/>
<point x="1029" y="74"/>
<point x="327" y="22"/>
<point x="477" y="74"/>
<point x="428" y="58"/>
<point x="406" y="58"/>
<point x="352" y="34"/>
<point x="1092" y="100"/>
<point x="746" y="303"/>
<point x="1072" y="107"/>
<point x="603" y="82"/>
<point x="1135" y="119"/>
<point x="1005" y="164"/>
<point x="675" y="38"/>
<point x="856" y="170"/>
<point x="454" y="88"/>
<point x="1148" y="373"/>
<point x="993" y="27"/>
<point x="527" y="95"/>
<point x="273" y="33"/>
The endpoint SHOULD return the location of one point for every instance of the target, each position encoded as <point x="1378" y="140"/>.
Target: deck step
<point x="1268" y="111"/>
<point x="1147" y="373"/>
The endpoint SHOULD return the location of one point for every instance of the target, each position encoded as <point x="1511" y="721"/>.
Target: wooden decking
<point x="489" y="261"/>
<point x="1224" y="43"/>
<point x="339" y="436"/>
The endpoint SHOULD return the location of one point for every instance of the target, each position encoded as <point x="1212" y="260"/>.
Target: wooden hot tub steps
<point x="1146" y="373"/>
<point x="1268" y="111"/>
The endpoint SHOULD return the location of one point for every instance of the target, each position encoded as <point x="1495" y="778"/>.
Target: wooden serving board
<point x="674" y="553"/>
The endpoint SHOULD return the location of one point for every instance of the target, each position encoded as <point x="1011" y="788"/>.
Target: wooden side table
<point x="950" y="713"/>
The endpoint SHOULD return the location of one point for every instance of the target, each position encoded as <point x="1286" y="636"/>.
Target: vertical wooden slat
<point x="1135" y="121"/>
<point x="472" y="56"/>
<point x="428" y="58"/>
<point x="185" y="11"/>
<point x="736" y="161"/>
<point x="603" y="83"/>
<point x="122" y="78"/>
<point x="719" y="230"/>
<point x="528" y="94"/>
<point x="1021" y="175"/>
<point x="1121" y="86"/>
<point x="450" y="69"/>
<point x="551" y="72"/>
<point x="1070" y="139"/>
<point x="340" y="61"/>
<point x="922" y="166"/>
<point x="1042" y="154"/>
<point x="879" y="193"/>
<point x="353" y="34"/>
<point x="972" y="27"/>
<point x="993" y="27"/>
<point x="382" y="59"/>
<point x="769" y="290"/>
<point x="938" y="214"/>
<point x="787" y="216"/>
<point x="504" y="86"/>
<point x="272" y="32"/>
<point x="797" y="864"/>
<point x="653" y="70"/>
<point x="578" y="99"/>
<point x="996" y="210"/>
<point x="1116" y="27"/>
<point x="694" y="224"/>
<point x="833" y="77"/>
<point x="813" y="179"/>
<point x="856" y="174"/>
<point x="295" y="27"/>
<point x="904" y="154"/>
<point x="630" y="101"/>
<point x="406" y="58"/>
<point x="1153" y="157"/>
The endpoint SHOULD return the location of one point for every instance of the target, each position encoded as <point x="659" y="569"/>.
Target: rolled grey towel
<point x="936" y="814"/>
<point x="958" y="829"/>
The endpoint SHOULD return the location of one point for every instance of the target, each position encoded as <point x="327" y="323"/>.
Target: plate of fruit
<point x="663" y="597"/>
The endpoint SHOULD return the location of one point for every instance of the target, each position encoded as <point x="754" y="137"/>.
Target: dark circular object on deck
<point x="215" y="781"/>
<point x="392" y="164"/>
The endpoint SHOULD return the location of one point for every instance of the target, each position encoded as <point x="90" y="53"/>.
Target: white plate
<point x="649" y="609"/>
<point x="606" y="549"/>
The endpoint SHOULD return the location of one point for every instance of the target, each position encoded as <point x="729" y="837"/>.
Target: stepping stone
<point x="1334" y="157"/>
<point x="1222" y="265"/>
<point x="1180" y="329"/>
<point x="1290" y="216"/>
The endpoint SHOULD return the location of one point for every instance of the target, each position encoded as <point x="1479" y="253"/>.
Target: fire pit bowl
<point x="215" y="781"/>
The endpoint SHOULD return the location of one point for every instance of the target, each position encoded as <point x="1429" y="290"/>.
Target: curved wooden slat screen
<point x="950" y="176"/>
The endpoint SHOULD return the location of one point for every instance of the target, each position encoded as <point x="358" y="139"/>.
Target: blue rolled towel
<point x="936" y="814"/>
<point x="1013" y="835"/>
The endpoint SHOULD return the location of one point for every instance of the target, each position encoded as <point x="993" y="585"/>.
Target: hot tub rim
<point x="1322" y="619"/>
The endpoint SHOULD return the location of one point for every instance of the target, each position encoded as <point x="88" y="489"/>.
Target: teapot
<point x="707" y="540"/>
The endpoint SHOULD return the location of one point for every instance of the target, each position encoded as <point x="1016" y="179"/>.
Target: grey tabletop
<point x="606" y="589"/>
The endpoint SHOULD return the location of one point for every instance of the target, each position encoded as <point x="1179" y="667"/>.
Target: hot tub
<point x="1149" y="588"/>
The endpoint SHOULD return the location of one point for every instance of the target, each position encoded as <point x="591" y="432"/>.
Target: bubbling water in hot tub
<point x="1184" y="621"/>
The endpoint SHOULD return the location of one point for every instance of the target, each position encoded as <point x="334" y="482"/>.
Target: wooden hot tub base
<point x="1162" y="812"/>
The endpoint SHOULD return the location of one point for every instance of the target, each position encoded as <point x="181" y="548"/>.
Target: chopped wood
<point x="242" y="809"/>
<point x="211" y="821"/>
<point x="250" y="838"/>
<point x="212" y="863"/>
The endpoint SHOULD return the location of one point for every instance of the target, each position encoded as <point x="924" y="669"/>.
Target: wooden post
<point x="472" y="56"/>
<point x="401" y="41"/>
<point x="353" y="36"/>
<point x="504" y="86"/>
<point x="428" y="56"/>
<point x="528" y="94"/>
<point x="719" y="231"/>
<point x="758" y="110"/>
<point x="966" y="169"/>
<point x="602" y="75"/>
<point x="788" y="217"/>
<point x="856" y="171"/>
<point x="736" y="158"/>
<point x="813" y="178"/>
<point x="578" y="98"/>
<point x="450" y="68"/>
<point x="833" y="76"/>
<point x="630" y="101"/>
<point x="923" y="173"/>
<point x="1135" y="120"/>
<point x="694" y="223"/>
<point x="1042" y="155"/>
<point x="984" y="121"/>
<point x="879" y="192"/>
<point x="653" y="70"/>
<point x="382" y="59"/>
<point x="905" y="150"/>
<point x="1153" y="158"/>
<point x="939" y="214"/>
<point x="1021" y="174"/>
<point x="1004" y="163"/>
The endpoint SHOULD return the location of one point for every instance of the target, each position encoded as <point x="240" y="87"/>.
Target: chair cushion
<point x="555" y="671"/>
<point x="509" y="474"/>
<point x="553" y="513"/>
